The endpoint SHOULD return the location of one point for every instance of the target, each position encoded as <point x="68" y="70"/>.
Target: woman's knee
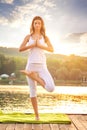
<point x="33" y="94"/>
<point x="50" y="89"/>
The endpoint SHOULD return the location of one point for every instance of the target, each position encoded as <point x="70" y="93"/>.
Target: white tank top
<point x="36" y="54"/>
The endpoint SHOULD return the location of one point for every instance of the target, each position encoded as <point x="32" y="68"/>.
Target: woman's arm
<point x="49" y="46"/>
<point x="24" y="46"/>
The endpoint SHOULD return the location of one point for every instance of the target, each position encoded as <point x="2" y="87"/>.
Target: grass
<point x="45" y="118"/>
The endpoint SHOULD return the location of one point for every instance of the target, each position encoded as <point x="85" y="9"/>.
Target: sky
<point x="61" y="18"/>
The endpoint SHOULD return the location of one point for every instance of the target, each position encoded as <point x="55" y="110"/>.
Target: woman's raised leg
<point x="34" y="76"/>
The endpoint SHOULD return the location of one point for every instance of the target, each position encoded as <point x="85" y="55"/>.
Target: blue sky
<point x="61" y="17"/>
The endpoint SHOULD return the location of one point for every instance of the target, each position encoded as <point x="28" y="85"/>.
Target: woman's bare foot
<point x="34" y="76"/>
<point x="31" y="74"/>
<point x="37" y="118"/>
<point x="26" y="72"/>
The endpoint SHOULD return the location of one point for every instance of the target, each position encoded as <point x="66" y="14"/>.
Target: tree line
<point x="60" y="66"/>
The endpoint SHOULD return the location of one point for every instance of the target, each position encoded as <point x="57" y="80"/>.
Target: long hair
<point x="42" y="31"/>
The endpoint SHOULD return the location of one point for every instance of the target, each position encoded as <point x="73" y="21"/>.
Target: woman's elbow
<point x="51" y="50"/>
<point x="20" y="49"/>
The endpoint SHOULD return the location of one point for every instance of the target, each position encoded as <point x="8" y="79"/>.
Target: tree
<point x="75" y="74"/>
<point x="62" y="73"/>
<point x="7" y="65"/>
<point x="53" y="64"/>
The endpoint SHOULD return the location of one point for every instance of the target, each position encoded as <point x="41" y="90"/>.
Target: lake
<point x="71" y="100"/>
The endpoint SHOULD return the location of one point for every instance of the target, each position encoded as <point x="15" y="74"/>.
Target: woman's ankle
<point x="37" y="118"/>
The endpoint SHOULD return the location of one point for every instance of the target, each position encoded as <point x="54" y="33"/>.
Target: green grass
<point x="30" y="118"/>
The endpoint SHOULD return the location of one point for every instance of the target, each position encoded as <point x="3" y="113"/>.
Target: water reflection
<point x="63" y="100"/>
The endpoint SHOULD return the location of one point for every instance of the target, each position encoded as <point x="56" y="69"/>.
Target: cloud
<point x="49" y="3"/>
<point x="75" y="38"/>
<point x="73" y="7"/>
<point x="23" y="10"/>
<point x="3" y="21"/>
<point x="83" y="38"/>
<point x="70" y="16"/>
<point x="7" y="1"/>
<point x="60" y="12"/>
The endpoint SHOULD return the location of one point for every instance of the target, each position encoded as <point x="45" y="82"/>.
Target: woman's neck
<point x="37" y="32"/>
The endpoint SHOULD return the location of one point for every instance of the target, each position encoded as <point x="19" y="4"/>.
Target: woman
<point x="36" y="68"/>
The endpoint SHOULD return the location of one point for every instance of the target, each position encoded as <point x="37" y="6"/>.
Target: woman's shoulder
<point x="46" y="38"/>
<point x="27" y="37"/>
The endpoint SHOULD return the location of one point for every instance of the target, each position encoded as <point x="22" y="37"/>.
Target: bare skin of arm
<point x="24" y="46"/>
<point x="49" y="46"/>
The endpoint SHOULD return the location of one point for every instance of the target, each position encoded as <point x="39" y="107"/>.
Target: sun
<point x="59" y="47"/>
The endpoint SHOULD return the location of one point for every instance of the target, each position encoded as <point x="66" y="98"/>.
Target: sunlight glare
<point x="59" y="47"/>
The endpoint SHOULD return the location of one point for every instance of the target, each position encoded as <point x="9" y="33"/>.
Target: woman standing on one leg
<point x="36" y="68"/>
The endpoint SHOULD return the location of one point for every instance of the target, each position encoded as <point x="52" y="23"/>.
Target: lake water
<point x="16" y="98"/>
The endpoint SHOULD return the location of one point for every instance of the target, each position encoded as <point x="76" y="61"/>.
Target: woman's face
<point x="37" y="24"/>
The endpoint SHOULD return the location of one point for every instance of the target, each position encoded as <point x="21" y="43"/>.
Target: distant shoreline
<point x="58" y="89"/>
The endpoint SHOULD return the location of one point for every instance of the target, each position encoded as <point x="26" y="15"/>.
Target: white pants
<point x="43" y="72"/>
